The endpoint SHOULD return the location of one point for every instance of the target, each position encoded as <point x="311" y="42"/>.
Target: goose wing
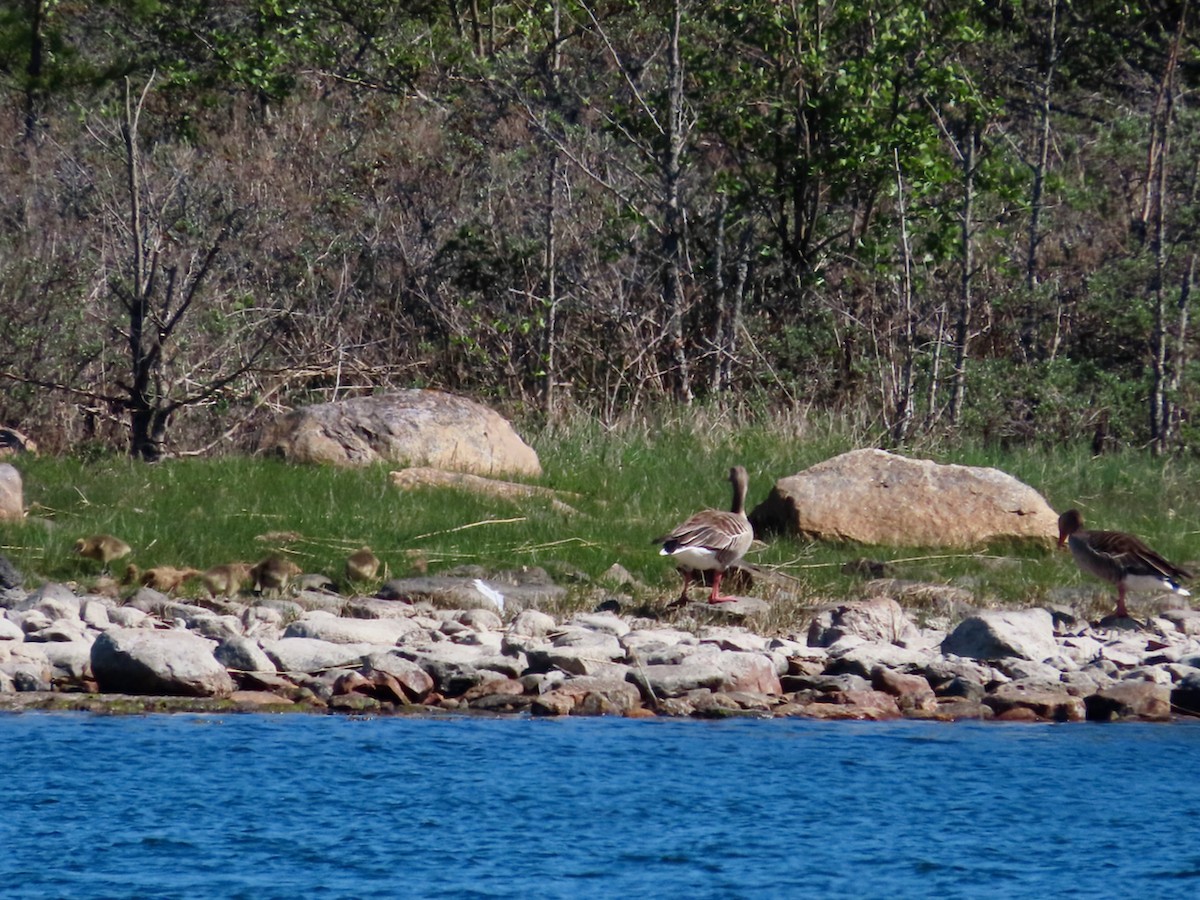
<point x="722" y="532"/>
<point x="1134" y="556"/>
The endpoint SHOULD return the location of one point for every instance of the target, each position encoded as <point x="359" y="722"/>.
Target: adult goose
<point x="711" y="540"/>
<point x="1119" y="559"/>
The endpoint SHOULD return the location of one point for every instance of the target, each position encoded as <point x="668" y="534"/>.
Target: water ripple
<point x="330" y="807"/>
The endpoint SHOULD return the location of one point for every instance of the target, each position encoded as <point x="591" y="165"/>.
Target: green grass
<point x="626" y="485"/>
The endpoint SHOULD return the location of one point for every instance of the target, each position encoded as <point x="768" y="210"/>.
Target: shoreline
<point x="445" y="645"/>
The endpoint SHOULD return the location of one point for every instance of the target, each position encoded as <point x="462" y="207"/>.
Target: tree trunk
<point x="1045" y="89"/>
<point x="903" y="415"/>
<point x="143" y="343"/>
<point x="721" y="294"/>
<point x="734" y="320"/>
<point x="935" y="368"/>
<point x="550" y="263"/>
<point x="1179" y="357"/>
<point x="672" y="239"/>
<point x="1154" y="225"/>
<point x="1041" y="164"/>
<point x="1159" y="398"/>
<point x="962" y="323"/>
<point x="35" y="70"/>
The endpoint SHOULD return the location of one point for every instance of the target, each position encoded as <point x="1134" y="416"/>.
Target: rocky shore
<point x="467" y="644"/>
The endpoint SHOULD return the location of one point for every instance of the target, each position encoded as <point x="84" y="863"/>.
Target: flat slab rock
<point x="875" y="497"/>
<point x="449" y="592"/>
<point x="416" y="477"/>
<point x="735" y="608"/>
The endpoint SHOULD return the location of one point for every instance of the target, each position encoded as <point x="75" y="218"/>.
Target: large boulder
<point x="166" y="663"/>
<point x="875" y="497"/>
<point x="413" y="427"/>
<point x="12" y="497"/>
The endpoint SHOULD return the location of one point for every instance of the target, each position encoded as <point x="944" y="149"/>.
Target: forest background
<point x="948" y="218"/>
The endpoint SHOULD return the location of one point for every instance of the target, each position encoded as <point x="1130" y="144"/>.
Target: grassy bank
<point x="624" y="485"/>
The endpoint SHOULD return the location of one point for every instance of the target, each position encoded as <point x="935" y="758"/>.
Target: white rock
<point x="674" y="654"/>
<point x="31" y="620"/>
<point x="22" y="651"/>
<point x="215" y="627"/>
<point x="1122" y="655"/>
<point x="95" y="614"/>
<point x="864" y="658"/>
<point x="55" y="608"/>
<point x="455" y="667"/>
<point x="1020" y="669"/>
<point x="479" y="620"/>
<point x="653" y="639"/>
<point x="608" y="623"/>
<point x="790" y="647"/>
<point x="1023" y="633"/>
<point x="732" y="638"/>
<point x="70" y="659"/>
<point x="50" y="591"/>
<point x="676" y="680"/>
<point x="1152" y="674"/>
<point x="879" y="619"/>
<point x="489" y="640"/>
<point x="10" y="631"/>
<point x="335" y="629"/>
<point x="749" y="671"/>
<point x="242" y="654"/>
<point x="61" y="631"/>
<point x="532" y="623"/>
<point x="173" y="663"/>
<point x="308" y="655"/>
<point x="128" y="617"/>
<point x="1082" y="648"/>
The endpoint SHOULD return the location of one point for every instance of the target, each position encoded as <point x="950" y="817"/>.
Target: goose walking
<point x="1119" y="559"/>
<point x="104" y="548"/>
<point x="711" y="540"/>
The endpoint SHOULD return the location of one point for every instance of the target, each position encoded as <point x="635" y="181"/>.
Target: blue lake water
<point x="253" y="806"/>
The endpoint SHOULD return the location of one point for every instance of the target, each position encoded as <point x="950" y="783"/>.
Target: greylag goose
<point x="1119" y="559"/>
<point x="103" y="548"/>
<point x="272" y="574"/>
<point x="226" y="580"/>
<point x="362" y="565"/>
<point x="711" y="540"/>
<point x="166" y="579"/>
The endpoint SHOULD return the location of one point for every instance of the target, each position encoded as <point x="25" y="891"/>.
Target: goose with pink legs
<point x="712" y="540"/>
